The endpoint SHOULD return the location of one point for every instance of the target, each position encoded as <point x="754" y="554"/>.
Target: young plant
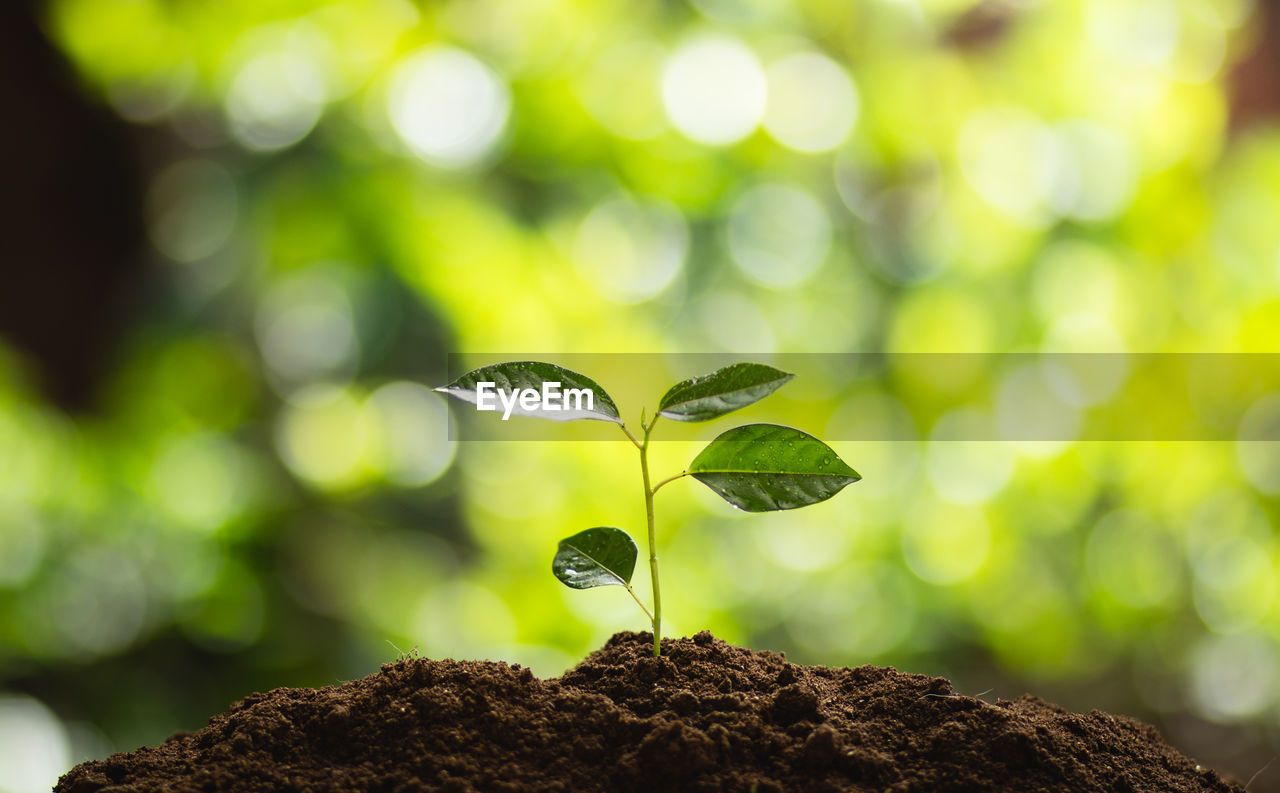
<point x="756" y="467"/>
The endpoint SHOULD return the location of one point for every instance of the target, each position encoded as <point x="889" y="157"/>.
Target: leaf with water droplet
<point x="766" y="467"/>
<point x="723" y="391"/>
<point x="602" y="556"/>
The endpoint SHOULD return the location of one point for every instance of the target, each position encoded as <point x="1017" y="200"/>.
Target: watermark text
<point x="532" y="400"/>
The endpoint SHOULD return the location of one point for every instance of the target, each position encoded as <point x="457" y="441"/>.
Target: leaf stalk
<point x="668" y="481"/>
<point x="634" y="440"/>
<point x="639" y="602"/>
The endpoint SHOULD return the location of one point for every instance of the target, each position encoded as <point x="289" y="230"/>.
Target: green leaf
<point x="602" y="556"/>
<point x="516" y="377"/>
<point x="723" y="391"/>
<point x="765" y="467"/>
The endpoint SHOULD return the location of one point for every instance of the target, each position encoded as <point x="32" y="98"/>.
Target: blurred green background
<point x="245" y="236"/>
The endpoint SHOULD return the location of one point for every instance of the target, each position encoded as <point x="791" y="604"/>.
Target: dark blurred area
<point x="72" y="215"/>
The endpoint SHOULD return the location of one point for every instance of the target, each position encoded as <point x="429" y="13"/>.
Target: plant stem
<point x="653" y="544"/>
<point x="639" y="602"/>
<point x="668" y="481"/>
<point x="632" y="438"/>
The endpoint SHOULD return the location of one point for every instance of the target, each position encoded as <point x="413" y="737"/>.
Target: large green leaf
<point x="723" y="391"/>
<point x="765" y="467"/>
<point x="517" y="376"/>
<point x="602" y="556"/>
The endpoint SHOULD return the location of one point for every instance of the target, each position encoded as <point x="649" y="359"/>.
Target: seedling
<point x="756" y="467"/>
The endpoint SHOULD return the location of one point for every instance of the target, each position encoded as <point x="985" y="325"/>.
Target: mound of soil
<point x="706" y="716"/>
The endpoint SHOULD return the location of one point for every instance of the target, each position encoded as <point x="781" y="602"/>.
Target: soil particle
<point x="706" y="716"/>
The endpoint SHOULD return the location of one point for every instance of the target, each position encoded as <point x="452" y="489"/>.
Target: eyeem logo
<point x="530" y="400"/>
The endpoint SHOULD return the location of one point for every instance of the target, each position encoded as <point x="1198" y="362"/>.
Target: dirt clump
<point x="706" y="716"/>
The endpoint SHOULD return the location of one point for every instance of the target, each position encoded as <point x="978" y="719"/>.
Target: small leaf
<point x="517" y="376"/>
<point x="723" y="391"/>
<point x="765" y="467"/>
<point x="602" y="556"/>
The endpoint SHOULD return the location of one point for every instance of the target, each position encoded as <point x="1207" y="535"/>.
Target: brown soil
<point x="706" y="716"/>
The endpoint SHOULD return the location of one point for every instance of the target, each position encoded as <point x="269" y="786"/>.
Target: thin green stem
<point x="669" y="480"/>
<point x="639" y="602"/>
<point x="653" y="544"/>
<point x="634" y="441"/>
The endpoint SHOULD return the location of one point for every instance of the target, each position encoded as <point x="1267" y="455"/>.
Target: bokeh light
<point x="630" y="251"/>
<point x="779" y="235"/>
<point x="812" y="104"/>
<point x="447" y="106"/>
<point x="193" y="209"/>
<point x="714" y="89"/>
<point x="321" y="436"/>
<point x="34" y="747"/>
<point x="277" y="86"/>
<point x="306" y="330"/>
<point x="967" y="226"/>
<point x="412" y="433"/>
